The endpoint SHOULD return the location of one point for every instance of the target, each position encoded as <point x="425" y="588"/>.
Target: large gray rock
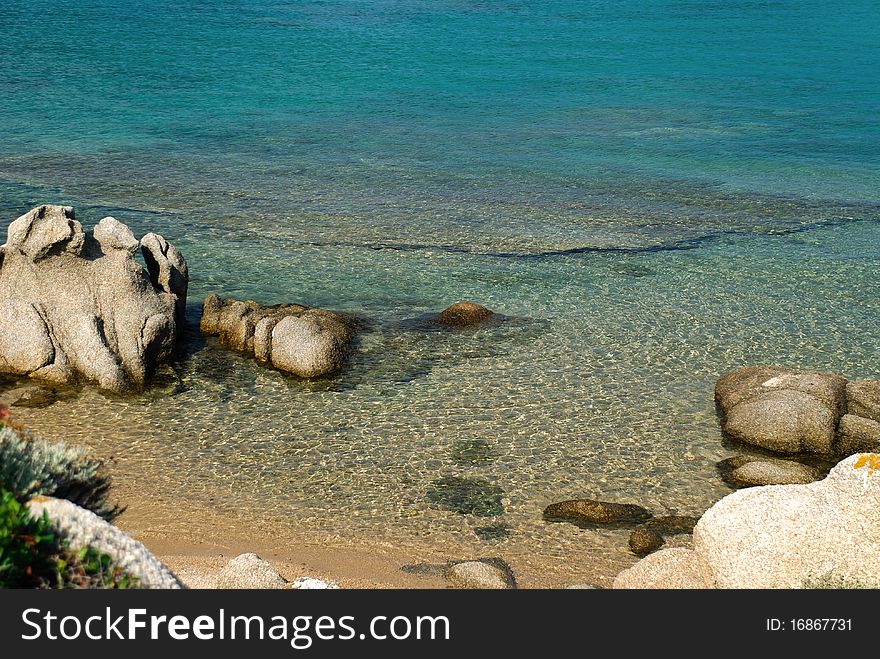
<point x="83" y="528"/>
<point x="863" y="399"/>
<point x="300" y="340"/>
<point x="782" y="410"/>
<point x="489" y="574"/>
<point x="77" y="306"/>
<point x="250" y="571"/>
<point x="780" y="536"/>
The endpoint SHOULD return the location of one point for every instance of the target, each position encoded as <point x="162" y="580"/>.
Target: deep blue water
<point x="550" y="159"/>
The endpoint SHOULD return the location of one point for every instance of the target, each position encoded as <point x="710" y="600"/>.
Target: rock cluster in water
<point x="648" y="532"/>
<point x="76" y="305"/>
<point x="780" y="536"/>
<point x="303" y="341"/>
<point x="788" y="411"/>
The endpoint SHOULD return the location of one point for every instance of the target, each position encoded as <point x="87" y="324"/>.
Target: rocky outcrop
<point x="790" y="411"/>
<point x="489" y="574"/>
<point x="76" y="305"/>
<point x="747" y="471"/>
<point x="83" y="528"/>
<point x="781" y="536"/>
<point x="168" y="270"/>
<point x="464" y="314"/>
<point x="303" y="341"/>
<point x="588" y="513"/>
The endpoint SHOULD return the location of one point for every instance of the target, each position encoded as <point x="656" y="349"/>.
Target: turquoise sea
<point x="657" y="192"/>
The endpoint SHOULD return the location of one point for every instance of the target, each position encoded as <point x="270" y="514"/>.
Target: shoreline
<point x="197" y="551"/>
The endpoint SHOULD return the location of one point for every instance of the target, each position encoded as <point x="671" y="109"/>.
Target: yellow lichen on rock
<point x="871" y="461"/>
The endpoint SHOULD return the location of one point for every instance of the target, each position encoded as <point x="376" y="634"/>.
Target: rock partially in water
<point x="746" y="471"/>
<point x="77" y="306"/>
<point x="303" y="341"/>
<point x="671" y="524"/>
<point x="250" y="571"/>
<point x="782" y="410"/>
<point x="467" y="496"/>
<point x="83" y="528"/>
<point x="33" y="396"/>
<point x="863" y="399"/>
<point x="857" y="434"/>
<point x="644" y="541"/>
<point x="588" y="513"/>
<point x="486" y="573"/>
<point x="464" y="314"/>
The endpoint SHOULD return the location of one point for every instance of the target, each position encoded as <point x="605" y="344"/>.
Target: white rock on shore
<point x="780" y="536"/>
<point x="83" y="528"/>
<point x="488" y="574"/>
<point x="250" y="571"/>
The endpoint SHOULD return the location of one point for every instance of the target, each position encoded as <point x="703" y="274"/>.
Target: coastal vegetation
<point x="32" y="553"/>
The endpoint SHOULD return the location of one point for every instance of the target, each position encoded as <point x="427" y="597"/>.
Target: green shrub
<point x="31" y="467"/>
<point x="27" y="546"/>
<point x="32" y="556"/>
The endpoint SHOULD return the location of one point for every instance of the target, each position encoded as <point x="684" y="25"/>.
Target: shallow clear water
<point x="654" y="195"/>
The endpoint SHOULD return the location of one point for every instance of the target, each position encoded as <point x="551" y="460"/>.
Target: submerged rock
<point x="464" y="314"/>
<point x="467" y="496"/>
<point x="644" y="541"/>
<point x="303" y="341"/>
<point x="746" y="471"/>
<point x="493" y="532"/>
<point x="33" y="396"/>
<point x="83" y="528"/>
<point x="671" y="524"/>
<point x="250" y="571"/>
<point x="77" y="306"/>
<point x="588" y="512"/>
<point x="487" y="573"/>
